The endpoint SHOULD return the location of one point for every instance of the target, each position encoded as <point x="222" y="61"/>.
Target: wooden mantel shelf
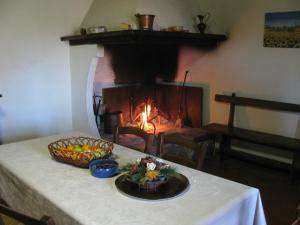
<point x="146" y="37"/>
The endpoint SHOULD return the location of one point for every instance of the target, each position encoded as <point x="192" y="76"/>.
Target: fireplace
<point x="156" y="108"/>
<point x="146" y="90"/>
<point x="145" y="93"/>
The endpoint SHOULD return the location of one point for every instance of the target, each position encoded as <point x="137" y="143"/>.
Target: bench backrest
<point x="257" y="103"/>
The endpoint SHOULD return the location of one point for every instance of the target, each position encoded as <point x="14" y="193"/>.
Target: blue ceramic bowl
<point x="103" y="168"/>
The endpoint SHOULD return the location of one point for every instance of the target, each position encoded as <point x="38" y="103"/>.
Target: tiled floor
<point x="279" y="197"/>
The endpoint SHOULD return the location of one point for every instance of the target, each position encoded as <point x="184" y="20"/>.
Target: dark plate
<point x="176" y="184"/>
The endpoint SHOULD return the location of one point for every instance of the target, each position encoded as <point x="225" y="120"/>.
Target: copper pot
<point x="145" y="21"/>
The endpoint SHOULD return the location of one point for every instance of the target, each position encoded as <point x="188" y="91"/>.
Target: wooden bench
<point x="229" y="131"/>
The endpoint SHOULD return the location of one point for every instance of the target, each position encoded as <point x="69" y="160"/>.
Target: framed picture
<point x="282" y="30"/>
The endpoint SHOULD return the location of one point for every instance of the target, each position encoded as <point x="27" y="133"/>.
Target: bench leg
<point x="225" y="145"/>
<point x="292" y="175"/>
<point x="295" y="166"/>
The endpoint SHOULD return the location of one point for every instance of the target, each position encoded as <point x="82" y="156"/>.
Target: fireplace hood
<point x="141" y="56"/>
<point x="145" y="56"/>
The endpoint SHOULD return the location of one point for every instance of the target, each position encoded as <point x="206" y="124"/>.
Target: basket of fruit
<point x="80" y="151"/>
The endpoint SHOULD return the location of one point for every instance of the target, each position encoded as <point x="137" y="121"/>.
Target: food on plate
<point x="105" y="165"/>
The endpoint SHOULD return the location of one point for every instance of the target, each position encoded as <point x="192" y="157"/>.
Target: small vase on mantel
<point x="202" y="22"/>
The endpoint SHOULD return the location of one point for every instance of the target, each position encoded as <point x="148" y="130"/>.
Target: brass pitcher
<point x="145" y="21"/>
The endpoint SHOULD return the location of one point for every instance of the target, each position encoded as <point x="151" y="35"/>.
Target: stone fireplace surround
<point x="121" y="62"/>
<point x="97" y="61"/>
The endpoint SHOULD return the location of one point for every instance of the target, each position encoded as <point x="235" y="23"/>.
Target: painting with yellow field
<point x="282" y="30"/>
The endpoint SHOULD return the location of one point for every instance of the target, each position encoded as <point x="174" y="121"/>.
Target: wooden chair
<point x="133" y="131"/>
<point x="12" y="217"/>
<point x="297" y="220"/>
<point x="199" y="150"/>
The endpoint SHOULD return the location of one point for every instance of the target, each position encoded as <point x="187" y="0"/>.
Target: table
<point x="31" y="182"/>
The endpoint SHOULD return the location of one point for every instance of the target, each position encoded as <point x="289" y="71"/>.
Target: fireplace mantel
<point x="129" y="37"/>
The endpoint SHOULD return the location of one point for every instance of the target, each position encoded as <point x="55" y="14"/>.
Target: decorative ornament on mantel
<point x="202" y="22"/>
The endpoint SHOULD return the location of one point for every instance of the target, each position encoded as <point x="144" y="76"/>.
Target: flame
<point x="145" y="116"/>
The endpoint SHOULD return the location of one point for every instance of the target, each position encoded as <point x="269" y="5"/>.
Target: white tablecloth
<point x="31" y="182"/>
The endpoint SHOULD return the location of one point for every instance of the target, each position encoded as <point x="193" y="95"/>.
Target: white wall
<point x="83" y="63"/>
<point x="168" y="13"/>
<point x="244" y="66"/>
<point x="34" y="66"/>
<point x="111" y="13"/>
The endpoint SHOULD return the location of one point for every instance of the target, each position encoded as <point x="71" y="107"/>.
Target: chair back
<point x="199" y="150"/>
<point x="10" y="216"/>
<point x="297" y="220"/>
<point x="133" y="131"/>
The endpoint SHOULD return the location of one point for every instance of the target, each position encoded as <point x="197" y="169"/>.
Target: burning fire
<point x="145" y="116"/>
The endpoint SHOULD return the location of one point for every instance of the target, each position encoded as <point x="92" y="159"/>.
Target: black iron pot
<point x="111" y="120"/>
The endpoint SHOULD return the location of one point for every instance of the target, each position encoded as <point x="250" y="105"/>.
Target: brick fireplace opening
<point x="156" y="108"/>
<point x="153" y="108"/>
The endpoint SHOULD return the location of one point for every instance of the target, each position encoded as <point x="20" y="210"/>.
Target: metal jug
<point x="203" y="20"/>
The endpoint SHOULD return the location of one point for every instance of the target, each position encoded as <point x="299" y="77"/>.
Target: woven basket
<point x="83" y="163"/>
